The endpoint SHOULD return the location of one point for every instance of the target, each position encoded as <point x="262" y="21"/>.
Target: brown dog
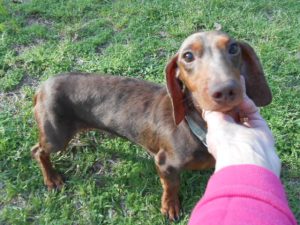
<point x="204" y="74"/>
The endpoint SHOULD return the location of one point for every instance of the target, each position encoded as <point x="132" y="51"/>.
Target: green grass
<point x="111" y="181"/>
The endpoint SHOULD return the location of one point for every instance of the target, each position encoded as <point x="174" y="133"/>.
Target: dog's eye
<point x="233" y="48"/>
<point x="188" y="57"/>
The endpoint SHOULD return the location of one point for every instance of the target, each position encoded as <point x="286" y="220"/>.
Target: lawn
<point x="110" y="180"/>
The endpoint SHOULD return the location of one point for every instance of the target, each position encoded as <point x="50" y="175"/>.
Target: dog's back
<point x="75" y="101"/>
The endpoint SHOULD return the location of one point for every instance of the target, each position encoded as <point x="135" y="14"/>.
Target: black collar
<point x="198" y="129"/>
<point x="195" y="122"/>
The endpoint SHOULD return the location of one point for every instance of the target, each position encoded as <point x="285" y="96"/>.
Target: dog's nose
<point x="225" y="92"/>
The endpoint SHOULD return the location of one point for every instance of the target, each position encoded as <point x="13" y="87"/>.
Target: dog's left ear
<point x="256" y="85"/>
<point x="175" y="90"/>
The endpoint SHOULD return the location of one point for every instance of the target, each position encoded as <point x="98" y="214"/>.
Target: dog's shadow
<point x="114" y="165"/>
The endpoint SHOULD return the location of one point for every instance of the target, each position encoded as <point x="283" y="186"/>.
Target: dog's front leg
<point x="51" y="178"/>
<point x="169" y="178"/>
<point x="170" y="205"/>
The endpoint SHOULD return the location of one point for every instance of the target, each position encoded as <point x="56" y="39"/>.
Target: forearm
<point x="245" y="194"/>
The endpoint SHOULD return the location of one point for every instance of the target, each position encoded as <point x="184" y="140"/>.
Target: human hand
<point x="247" y="142"/>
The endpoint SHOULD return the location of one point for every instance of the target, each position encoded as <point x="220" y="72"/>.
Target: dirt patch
<point x="111" y="213"/>
<point x="161" y="53"/>
<point x="298" y="55"/>
<point x="163" y="34"/>
<point x="101" y="48"/>
<point x="18" y="201"/>
<point x="35" y="19"/>
<point x="9" y="101"/>
<point x="2" y="192"/>
<point x="105" y="168"/>
<point x="21" y="1"/>
<point x="27" y="81"/>
<point x="200" y="27"/>
<point x="20" y="49"/>
<point x="271" y="14"/>
<point x="87" y="139"/>
<point x="1" y="185"/>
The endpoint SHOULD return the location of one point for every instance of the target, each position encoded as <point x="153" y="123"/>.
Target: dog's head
<point x="208" y="65"/>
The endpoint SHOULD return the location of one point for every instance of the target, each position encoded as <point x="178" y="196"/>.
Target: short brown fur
<point x="149" y="114"/>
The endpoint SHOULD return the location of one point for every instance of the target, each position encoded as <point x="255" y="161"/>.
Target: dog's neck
<point x="195" y="121"/>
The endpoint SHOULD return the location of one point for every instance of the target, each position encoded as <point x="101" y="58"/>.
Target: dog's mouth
<point x="212" y="105"/>
<point x="223" y="108"/>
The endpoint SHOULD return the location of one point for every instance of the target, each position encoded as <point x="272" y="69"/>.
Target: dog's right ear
<point x="175" y="90"/>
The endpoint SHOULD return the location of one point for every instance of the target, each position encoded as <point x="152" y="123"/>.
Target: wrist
<point x="245" y="154"/>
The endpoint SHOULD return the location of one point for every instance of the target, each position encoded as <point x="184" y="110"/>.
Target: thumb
<point x="216" y="119"/>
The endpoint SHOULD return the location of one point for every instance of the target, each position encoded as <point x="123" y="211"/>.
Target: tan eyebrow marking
<point x="196" y="46"/>
<point x="222" y="42"/>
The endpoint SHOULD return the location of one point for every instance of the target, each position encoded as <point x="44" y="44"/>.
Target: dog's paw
<point x="54" y="182"/>
<point x="171" y="209"/>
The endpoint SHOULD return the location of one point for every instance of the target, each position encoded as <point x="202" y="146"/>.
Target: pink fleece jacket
<point x="243" y="194"/>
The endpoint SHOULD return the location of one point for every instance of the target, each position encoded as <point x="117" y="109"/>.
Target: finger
<point x="216" y="119"/>
<point x="249" y="110"/>
<point x="257" y="123"/>
<point x="235" y="114"/>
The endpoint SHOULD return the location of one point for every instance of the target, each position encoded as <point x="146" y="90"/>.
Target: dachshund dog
<point x="204" y="74"/>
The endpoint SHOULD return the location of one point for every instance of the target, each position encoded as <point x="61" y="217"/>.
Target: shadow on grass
<point x="124" y="172"/>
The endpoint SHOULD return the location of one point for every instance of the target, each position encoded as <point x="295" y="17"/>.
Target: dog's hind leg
<point x="53" y="138"/>
<point x="55" y="132"/>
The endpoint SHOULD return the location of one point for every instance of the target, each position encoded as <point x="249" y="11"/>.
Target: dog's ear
<point x="175" y="90"/>
<point x="256" y="85"/>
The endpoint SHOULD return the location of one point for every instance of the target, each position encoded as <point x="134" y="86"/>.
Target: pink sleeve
<point x="243" y="194"/>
